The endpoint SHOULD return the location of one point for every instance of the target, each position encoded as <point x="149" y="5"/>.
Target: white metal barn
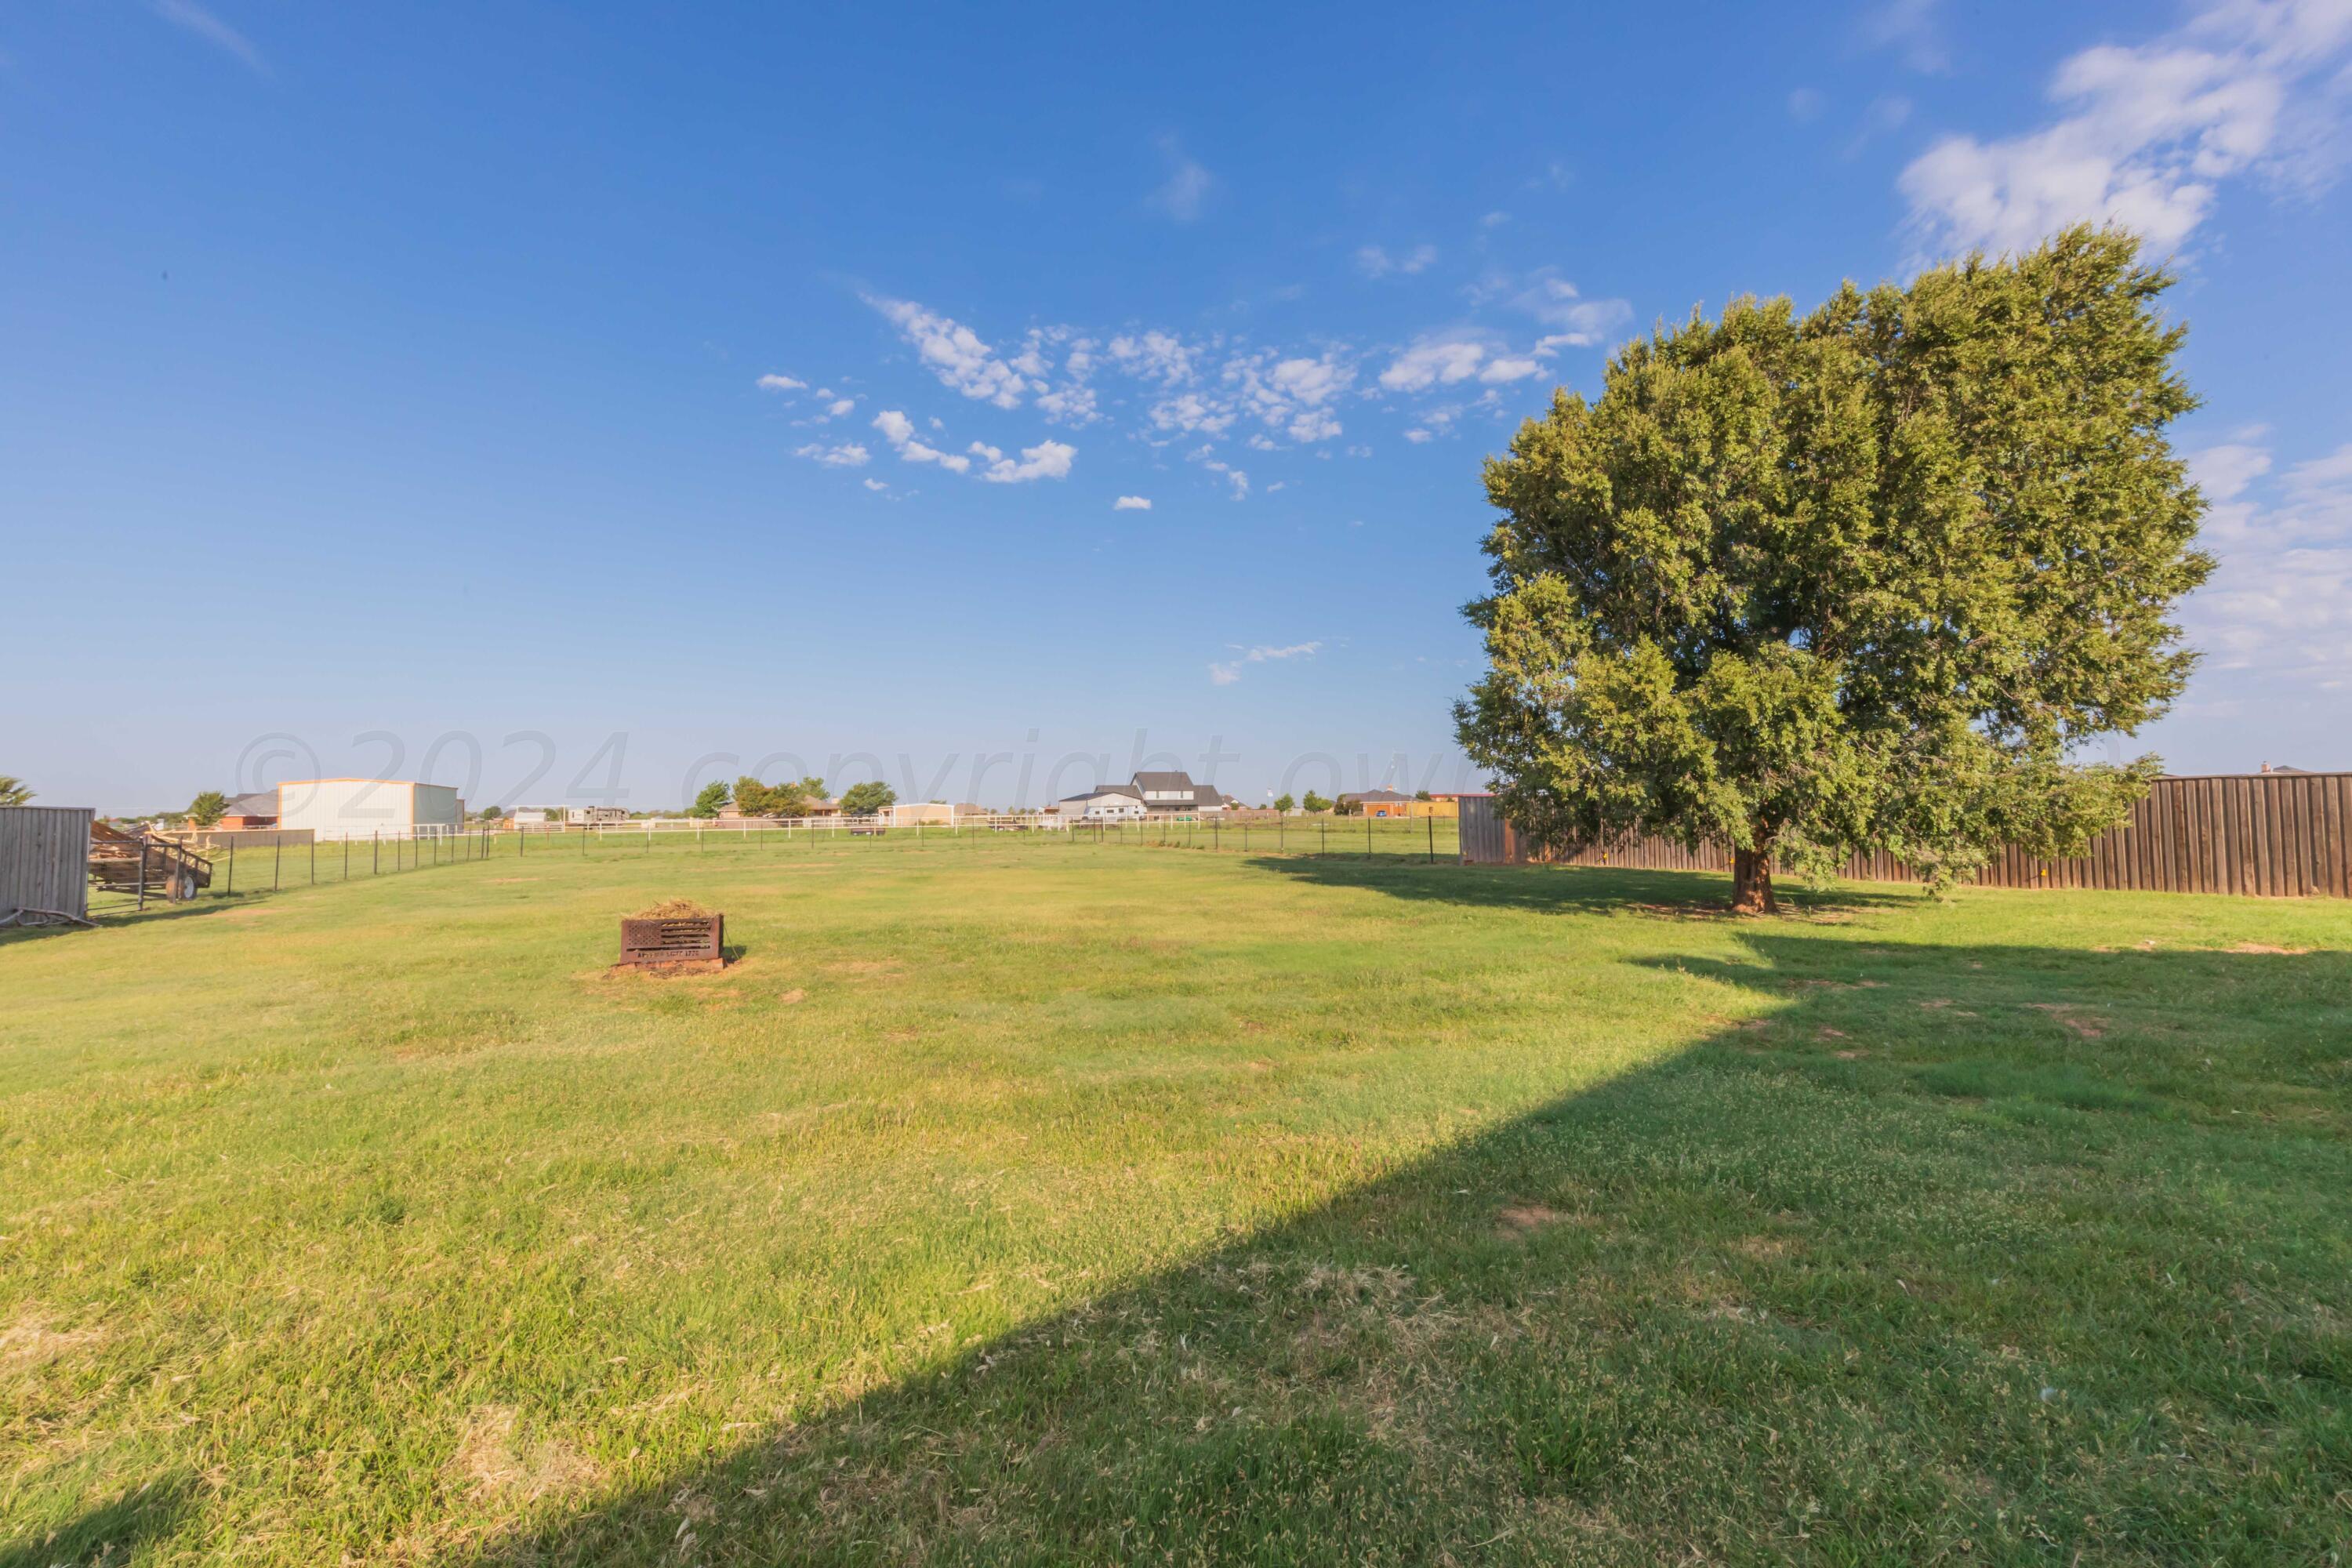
<point x="365" y="808"/>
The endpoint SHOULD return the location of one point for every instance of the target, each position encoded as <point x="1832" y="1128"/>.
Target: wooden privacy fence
<point x="2280" y="836"/>
<point x="44" y="863"/>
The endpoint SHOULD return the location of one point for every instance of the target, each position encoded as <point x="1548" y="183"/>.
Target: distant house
<point x="1166" y="794"/>
<point x="600" y="815"/>
<point x="1377" y="802"/>
<point x="1147" y="795"/>
<point x="258" y="809"/>
<point x="2283" y="768"/>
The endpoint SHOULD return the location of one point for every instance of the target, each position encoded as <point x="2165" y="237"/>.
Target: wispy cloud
<point x="774" y="382"/>
<point x="2151" y="131"/>
<point x="2281" y="600"/>
<point x="1131" y="503"/>
<point x="1187" y="186"/>
<point x="1228" y="672"/>
<point x="1885" y="115"/>
<point x="954" y="352"/>
<point x="900" y="431"/>
<point x="1375" y="261"/>
<point x="1912" y="30"/>
<point x="191" y="18"/>
<point x="1446" y="361"/>
<point x="1046" y="461"/>
<point x="848" y="456"/>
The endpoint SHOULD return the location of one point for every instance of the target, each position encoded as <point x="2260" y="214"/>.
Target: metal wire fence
<point x="238" y="873"/>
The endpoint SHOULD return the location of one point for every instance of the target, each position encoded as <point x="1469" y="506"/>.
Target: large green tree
<point x="708" y="802"/>
<point x="208" y="807"/>
<point x="792" y="798"/>
<point x="1798" y="586"/>
<point x="869" y="798"/>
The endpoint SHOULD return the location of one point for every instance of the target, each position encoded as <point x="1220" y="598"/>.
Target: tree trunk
<point x="1751" y="882"/>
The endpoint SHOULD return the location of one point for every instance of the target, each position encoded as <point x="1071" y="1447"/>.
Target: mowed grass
<point x="1021" y="1203"/>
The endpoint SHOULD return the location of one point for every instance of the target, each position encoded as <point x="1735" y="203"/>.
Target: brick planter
<point x="691" y="940"/>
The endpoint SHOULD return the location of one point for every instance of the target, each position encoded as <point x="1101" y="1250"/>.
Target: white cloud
<point x="844" y="457"/>
<point x="2224" y="473"/>
<point x="1069" y="404"/>
<point x="1191" y="413"/>
<point x="1434" y="363"/>
<point x="191" y="18"/>
<point x="876" y="485"/>
<point x="774" y="382"/>
<point x="900" y="431"/>
<point x="1131" y="503"/>
<point x="955" y="354"/>
<point x="1187" y="186"/>
<point x="1238" y="478"/>
<point x="1230" y="670"/>
<point x="840" y="407"/>
<point x="1292" y="395"/>
<point x="2280" y="602"/>
<point x="1376" y="262"/>
<point x="1046" y="461"/>
<point x="1417" y="435"/>
<point x="1555" y="302"/>
<point x="2150" y="132"/>
<point x="1162" y="356"/>
<point x="1503" y="370"/>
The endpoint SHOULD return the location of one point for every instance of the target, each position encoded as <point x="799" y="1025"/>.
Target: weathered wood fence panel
<point x="43" y="861"/>
<point x="2276" y="836"/>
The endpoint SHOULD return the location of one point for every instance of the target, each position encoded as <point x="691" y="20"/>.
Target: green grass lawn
<point x="1020" y="1202"/>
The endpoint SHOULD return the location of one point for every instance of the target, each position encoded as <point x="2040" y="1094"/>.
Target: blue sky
<point x="468" y="386"/>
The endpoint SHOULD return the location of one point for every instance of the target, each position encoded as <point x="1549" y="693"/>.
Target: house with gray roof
<point x="1147" y="795"/>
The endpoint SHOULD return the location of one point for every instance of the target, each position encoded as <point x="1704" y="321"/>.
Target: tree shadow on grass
<point x="1749" y="1303"/>
<point x="109" y="1534"/>
<point x="1546" y="889"/>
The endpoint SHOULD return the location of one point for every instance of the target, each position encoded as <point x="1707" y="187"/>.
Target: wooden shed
<point x="44" y="864"/>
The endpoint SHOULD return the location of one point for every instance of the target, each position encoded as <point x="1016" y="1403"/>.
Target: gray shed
<point x="44" y="863"/>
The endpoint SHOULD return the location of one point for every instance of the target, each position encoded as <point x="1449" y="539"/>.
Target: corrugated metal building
<point x="44" y="862"/>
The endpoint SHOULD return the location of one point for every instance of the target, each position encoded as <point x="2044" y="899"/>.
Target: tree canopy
<point x="866" y="799"/>
<point x="792" y="798"/>
<point x="708" y="800"/>
<point x="14" y="790"/>
<point x="1865" y="577"/>
<point x="208" y="807"/>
